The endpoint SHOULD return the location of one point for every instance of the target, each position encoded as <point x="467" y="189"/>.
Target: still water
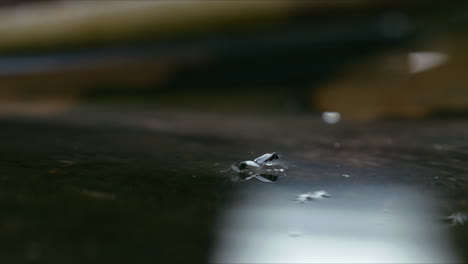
<point x="110" y="186"/>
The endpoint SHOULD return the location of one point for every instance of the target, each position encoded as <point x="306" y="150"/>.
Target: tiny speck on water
<point x="345" y="175"/>
<point x="295" y="234"/>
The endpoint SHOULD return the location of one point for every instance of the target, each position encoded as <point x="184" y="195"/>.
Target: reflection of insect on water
<point x="264" y="168"/>
<point x="310" y="196"/>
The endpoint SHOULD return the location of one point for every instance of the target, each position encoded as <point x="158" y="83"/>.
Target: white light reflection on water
<point x="354" y="226"/>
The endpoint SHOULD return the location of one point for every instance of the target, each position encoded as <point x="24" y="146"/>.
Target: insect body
<point x="255" y="169"/>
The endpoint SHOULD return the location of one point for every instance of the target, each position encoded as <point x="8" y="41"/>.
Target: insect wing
<point x="265" y="157"/>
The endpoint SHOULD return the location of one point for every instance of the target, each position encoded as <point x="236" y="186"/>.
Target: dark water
<point x="143" y="187"/>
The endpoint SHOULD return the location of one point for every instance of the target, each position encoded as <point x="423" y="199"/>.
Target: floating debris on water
<point x="265" y="168"/>
<point x="310" y="196"/>
<point x="458" y="218"/>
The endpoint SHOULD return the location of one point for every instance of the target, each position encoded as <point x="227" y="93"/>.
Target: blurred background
<point x="365" y="59"/>
<point x="117" y="118"/>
